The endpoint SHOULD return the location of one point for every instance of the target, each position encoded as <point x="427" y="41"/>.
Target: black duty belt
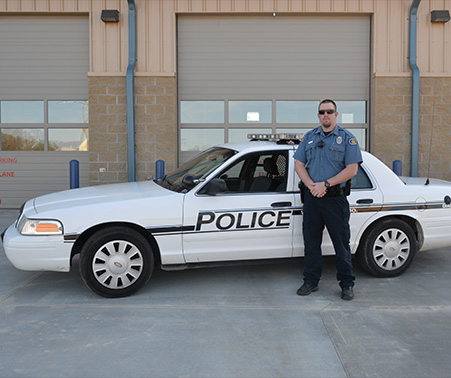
<point x="335" y="191"/>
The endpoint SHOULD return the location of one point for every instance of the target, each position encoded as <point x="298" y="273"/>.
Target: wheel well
<point x="411" y="222"/>
<point x="81" y="240"/>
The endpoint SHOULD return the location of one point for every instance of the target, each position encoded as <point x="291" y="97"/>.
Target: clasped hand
<point x="318" y="189"/>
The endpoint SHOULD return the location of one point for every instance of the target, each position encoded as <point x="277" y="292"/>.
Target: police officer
<point x="327" y="157"/>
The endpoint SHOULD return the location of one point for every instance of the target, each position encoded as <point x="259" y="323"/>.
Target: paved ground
<point x="228" y="322"/>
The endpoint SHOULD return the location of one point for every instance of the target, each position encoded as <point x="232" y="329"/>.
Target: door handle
<point x="365" y="201"/>
<point x="281" y="204"/>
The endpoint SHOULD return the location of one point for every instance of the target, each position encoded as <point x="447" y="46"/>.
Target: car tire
<point x="387" y="248"/>
<point x="116" y="262"/>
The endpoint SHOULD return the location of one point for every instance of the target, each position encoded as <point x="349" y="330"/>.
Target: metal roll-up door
<point x="268" y="58"/>
<point x="44" y="63"/>
<point x="273" y="57"/>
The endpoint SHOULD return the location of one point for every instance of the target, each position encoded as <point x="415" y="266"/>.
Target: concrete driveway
<point x="228" y="322"/>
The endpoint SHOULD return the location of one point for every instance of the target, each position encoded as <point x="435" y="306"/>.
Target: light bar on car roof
<point x="276" y="137"/>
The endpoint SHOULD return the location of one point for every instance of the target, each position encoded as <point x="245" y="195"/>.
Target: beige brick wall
<point x="435" y="128"/>
<point x="391" y="124"/>
<point x="155" y="127"/>
<point x="156" y="124"/>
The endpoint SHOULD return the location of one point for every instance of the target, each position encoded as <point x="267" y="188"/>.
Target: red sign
<point x="8" y="160"/>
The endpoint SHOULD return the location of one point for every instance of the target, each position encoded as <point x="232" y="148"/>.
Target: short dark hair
<point x="327" y="101"/>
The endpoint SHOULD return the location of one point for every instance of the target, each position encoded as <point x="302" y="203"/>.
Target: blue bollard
<point x="74" y="174"/>
<point x="159" y="169"/>
<point x="397" y="167"/>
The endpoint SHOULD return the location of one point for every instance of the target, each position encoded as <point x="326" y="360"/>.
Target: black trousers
<point x="332" y="213"/>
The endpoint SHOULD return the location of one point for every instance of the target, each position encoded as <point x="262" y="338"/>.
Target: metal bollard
<point x="159" y="169"/>
<point x="397" y="167"/>
<point x="74" y="174"/>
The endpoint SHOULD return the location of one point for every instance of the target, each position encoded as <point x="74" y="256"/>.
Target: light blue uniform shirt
<point x="340" y="149"/>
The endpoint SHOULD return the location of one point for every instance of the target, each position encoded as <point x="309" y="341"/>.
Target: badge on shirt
<point x="302" y="139"/>
<point x="352" y="142"/>
<point x="339" y="140"/>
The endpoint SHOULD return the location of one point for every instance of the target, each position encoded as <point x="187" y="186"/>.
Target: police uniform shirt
<point x="324" y="155"/>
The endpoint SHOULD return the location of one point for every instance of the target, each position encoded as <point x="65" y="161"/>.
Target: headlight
<point x="39" y="227"/>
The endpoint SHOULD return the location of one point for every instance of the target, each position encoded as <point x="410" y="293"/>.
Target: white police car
<point x="233" y="202"/>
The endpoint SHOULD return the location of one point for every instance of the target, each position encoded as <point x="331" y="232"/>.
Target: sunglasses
<point x="328" y="111"/>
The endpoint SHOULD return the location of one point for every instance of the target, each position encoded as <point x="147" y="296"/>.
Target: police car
<point x="233" y="202"/>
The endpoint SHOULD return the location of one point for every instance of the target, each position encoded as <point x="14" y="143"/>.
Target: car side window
<point x="361" y="180"/>
<point x="258" y="172"/>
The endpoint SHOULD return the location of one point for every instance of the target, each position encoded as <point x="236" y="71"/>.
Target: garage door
<point x="43" y="105"/>
<point x="267" y="74"/>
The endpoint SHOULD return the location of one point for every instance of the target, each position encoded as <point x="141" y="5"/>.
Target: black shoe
<point x="347" y="293"/>
<point x="306" y="289"/>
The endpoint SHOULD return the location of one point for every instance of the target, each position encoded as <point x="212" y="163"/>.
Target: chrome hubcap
<point x="391" y="249"/>
<point x="117" y="264"/>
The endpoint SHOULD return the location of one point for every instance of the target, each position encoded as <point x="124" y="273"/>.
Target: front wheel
<point x="116" y="262"/>
<point x="387" y="248"/>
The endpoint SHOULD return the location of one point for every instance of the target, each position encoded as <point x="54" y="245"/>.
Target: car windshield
<point x="199" y="167"/>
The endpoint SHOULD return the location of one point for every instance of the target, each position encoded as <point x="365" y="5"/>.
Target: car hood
<point x="98" y="195"/>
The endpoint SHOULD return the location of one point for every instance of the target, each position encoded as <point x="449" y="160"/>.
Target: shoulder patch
<point x="352" y="142"/>
<point x="302" y="139"/>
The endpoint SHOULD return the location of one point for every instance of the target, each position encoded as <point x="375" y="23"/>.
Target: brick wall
<point x="155" y="124"/>
<point x="155" y="127"/>
<point x="107" y="130"/>
<point x="391" y="124"/>
<point x="435" y="128"/>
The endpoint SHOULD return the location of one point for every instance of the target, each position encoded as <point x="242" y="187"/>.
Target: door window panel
<point x="68" y="139"/>
<point x="202" y="111"/>
<point x="22" y="139"/>
<point x="68" y="111"/>
<point x="200" y="139"/>
<point x="351" y="112"/>
<point x="22" y="111"/>
<point x="297" y="111"/>
<point x="250" y="111"/>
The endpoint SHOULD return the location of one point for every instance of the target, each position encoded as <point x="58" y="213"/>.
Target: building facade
<point x="207" y="72"/>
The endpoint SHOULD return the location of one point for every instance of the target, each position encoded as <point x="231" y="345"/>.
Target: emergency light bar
<point x="279" y="138"/>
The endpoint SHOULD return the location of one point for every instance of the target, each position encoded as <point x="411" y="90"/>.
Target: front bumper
<point x="36" y="253"/>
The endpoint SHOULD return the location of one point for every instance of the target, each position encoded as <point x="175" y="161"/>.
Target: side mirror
<point x="215" y="186"/>
<point x="189" y="182"/>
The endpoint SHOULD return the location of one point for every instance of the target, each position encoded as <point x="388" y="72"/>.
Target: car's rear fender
<point x="412" y="222"/>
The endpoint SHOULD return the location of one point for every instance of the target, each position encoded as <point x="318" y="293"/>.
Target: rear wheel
<point x="388" y="248"/>
<point x="116" y="262"/>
